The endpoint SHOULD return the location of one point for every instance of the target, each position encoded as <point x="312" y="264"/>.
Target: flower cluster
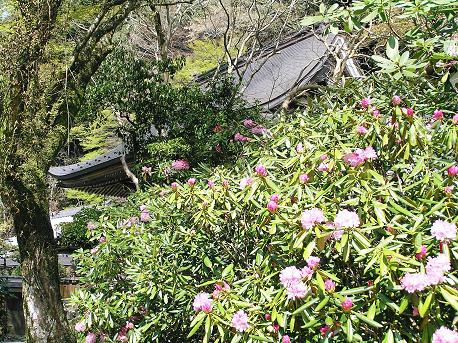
<point x="359" y="156"/>
<point x="445" y="335"/>
<point x="202" y="302"/>
<point x="443" y="230"/>
<point x="435" y="271"/>
<point x="180" y="165"/>
<point x="311" y="217"/>
<point x="292" y="278"/>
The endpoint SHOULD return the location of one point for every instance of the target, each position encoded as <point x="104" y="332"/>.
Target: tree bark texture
<point x="43" y="310"/>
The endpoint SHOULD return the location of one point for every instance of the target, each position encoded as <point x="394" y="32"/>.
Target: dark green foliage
<point x="183" y="118"/>
<point x="74" y="234"/>
<point x="3" y="321"/>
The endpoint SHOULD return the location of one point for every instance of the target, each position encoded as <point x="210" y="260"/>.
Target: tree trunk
<point x="43" y="310"/>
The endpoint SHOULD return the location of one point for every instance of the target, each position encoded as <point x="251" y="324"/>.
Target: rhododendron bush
<point x="321" y="232"/>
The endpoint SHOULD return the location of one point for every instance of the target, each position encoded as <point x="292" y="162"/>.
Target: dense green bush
<point x="194" y="236"/>
<point x="75" y="234"/>
<point x="3" y="319"/>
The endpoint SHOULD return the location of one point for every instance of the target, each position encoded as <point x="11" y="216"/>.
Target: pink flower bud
<point x="415" y="312"/>
<point x="396" y="100"/>
<point x="421" y="254"/>
<point x="362" y="130"/>
<point x="455" y="119"/>
<point x="276" y="327"/>
<point x="365" y="102"/>
<point x="452" y="171"/>
<point x="437" y="115"/>
<point x="275" y="198"/>
<point x="313" y="262"/>
<point x="102" y="239"/>
<point x="129" y="325"/>
<point x="174" y="186"/>
<point x="225" y="184"/>
<point x="94" y="250"/>
<point x="211" y="184"/>
<point x="304" y="178"/>
<point x="91" y="338"/>
<point x="261" y="170"/>
<point x="80" y="327"/>
<point x="285" y="339"/>
<point x="191" y="182"/>
<point x="409" y="112"/>
<point x="448" y="190"/>
<point x="267" y="317"/>
<point x="347" y="304"/>
<point x="272" y="206"/>
<point x="376" y="113"/>
<point x="299" y="148"/>
<point x="325" y="329"/>
<point x="323" y="157"/>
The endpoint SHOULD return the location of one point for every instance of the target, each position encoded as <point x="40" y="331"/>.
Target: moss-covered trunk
<point x="43" y="310"/>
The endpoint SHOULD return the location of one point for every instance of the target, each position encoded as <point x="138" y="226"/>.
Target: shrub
<point x="381" y="191"/>
<point x="75" y="234"/>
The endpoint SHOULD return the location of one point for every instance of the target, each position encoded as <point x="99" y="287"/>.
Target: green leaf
<point x="349" y="328"/>
<point x="423" y="307"/>
<point x="207" y="262"/>
<point x="368" y="321"/>
<point x="451" y="299"/>
<point x="310" y="20"/>
<point x="392" y="48"/>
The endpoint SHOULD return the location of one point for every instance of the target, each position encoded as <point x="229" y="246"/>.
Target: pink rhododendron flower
<point x="144" y="214"/>
<point x="296" y="290"/>
<point x="122" y="337"/>
<point x="249" y="123"/>
<point x="174" y="186"/>
<point x="258" y="130"/>
<point x="130" y="325"/>
<point x="347" y="304"/>
<point x="261" y="170"/>
<point x="311" y="217"/>
<point x="354" y="159"/>
<point x="91" y="338"/>
<point x="323" y="167"/>
<point x="369" y="153"/>
<point x="191" y="182"/>
<point x="443" y="230"/>
<point x="290" y="275"/>
<point x="445" y="335"/>
<point x="365" y="102"/>
<point x="275" y="198"/>
<point x="304" y="178"/>
<point x="324" y="157"/>
<point x="299" y="148"/>
<point x="436" y="268"/>
<point x="337" y="234"/>
<point x="276" y="327"/>
<point x="313" y="262"/>
<point x="91" y="226"/>
<point x="202" y="302"/>
<point x="94" y="250"/>
<point x="285" y="339"/>
<point x="437" y="115"/>
<point x="329" y="286"/>
<point x="449" y="190"/>
<point x="414" y="282"/>
<point x="80" y="327"/>
<point x="211" y="184"/>
<point x="376" y="114"/>
<point x="345" y="218"/>
<point x="396" y="100"/>
<point x="452" y="171"/>
<point x="306" y="272"/>
<point x="361" y="130"/>
<point x="102" y="239"/>
<point x="240" y="321"/>
<point x="455" y="119"/>
<point x="180" y="165"/>
<point x="246" y="181"/>
<point x="421" y="254"/>
<point x="407" y="111"/>
<point x="241" y="138"/>
<point x="272" y="206"/>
